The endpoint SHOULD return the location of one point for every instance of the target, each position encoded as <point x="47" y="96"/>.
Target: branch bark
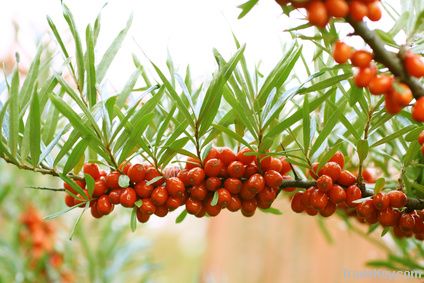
<point x="389" y="59"/>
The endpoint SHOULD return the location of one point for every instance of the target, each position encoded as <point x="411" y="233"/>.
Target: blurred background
<point x="230" y="248"/>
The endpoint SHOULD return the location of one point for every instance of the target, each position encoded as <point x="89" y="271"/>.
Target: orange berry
<point x="346" y="178"/>
<point x="418" y="110"/>
<point x="381" y="84"/>
<point x="136" y="173"/>
<point x="421" y="138"/>
<point x="226" y="155"/>
<point x="392" y="107"/>
<point x="365" y="76"/>
<point x="245" y="159"/>
<point x="213" y="167"/>
<point x="342" y="52"/>
<point x="236" y="169"/>
<point x="317" y="14"/>
<point x="331" y="169"/>
<point x="273" y="179"/>
<point x="401" y="94"/>
<point x="339" y="158"/>
<point x="361" y="59"/>
<point x="358" y="10"/>
<point x="374" y="11"/>
<point x="337" y="8"/>
<point x="414" y="65"/>
<point x="92" y="169"/>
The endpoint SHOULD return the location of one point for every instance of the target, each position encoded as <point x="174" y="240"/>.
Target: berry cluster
<point x="320" y="11"/>
<point x="397" y="94"/>
<point x="225" y="180"/>
<point x="336" y="189"/>
<point x="37" y="238"/>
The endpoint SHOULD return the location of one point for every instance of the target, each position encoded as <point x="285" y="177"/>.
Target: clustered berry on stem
<point x="225" y="179"/>
<point x="337" y="188"/>
<point x="37" y="238"/>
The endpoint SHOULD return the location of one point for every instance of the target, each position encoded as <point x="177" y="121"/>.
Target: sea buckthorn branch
<point x="412" y="204"/>
<point x="389" y="59"/>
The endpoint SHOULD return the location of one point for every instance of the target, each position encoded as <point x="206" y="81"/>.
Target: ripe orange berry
<point x="381" y="84"/>
<point x="159" y="196"/>
<point x="226" y="155"/>
<point x="266" y="197"/>
<point x="286" y="168"/>
<point x="337" y="194"/>
<point x="211" y="210"/>
<point x="196" y="176"/>
<point x="381" y="201"/>
<point x="213" y="183"/>
<point x="161" y="211"/>
<point x="346" y="178"/>
<point x="104" y="206"/>
<point x="374" y="11"/>
<point x="193" y="206"/>
<point x="365" y="75"/>
<point x="136" y="173"/>
<point x="352" y="193"/>
<point x="142" y="217"/>
<point x="235" y="204"/>
<point x="92" y="169"/>
<point x="175" y="186"/>
<point x="389" y="217"/>
<point x="128" y="197"/>
<point x="256" y="183"/>
<point x="198" y="192"/>
<point x="213" y="167"/>
<point x="100" y="188"/>
<point x="361" y="58"/>
<point x="329" y="210"/>
<point x="273" y="179"/>
<point x="115" y="196"/>
<point x="297" y="204"/>
<point x="173" y="203"/>
<point x="250" y="170"/>
<point x="406" y="222"/>
<point x="245" y="159"/>
<point x="80" y="183"/>
<point x="248" y="207"/>
<point x="368" y="176"/>
<point x="401" y="94"/>
<point x="342" y="52"/>
<point x="331" y="169"/>
<point x="236" y="169"/>
<point x="392" y="107"/>
<point x="313" y="172"/>
<point x="421" y="138"/>
<point x="94" y="212"/>
<point x="143" y="190"/>
<point x="192" y="163"/>
<point x="224" y="197"/>
<point x="324" y="183"/>
<point x="414" y="65"/>
<point x="124" y="167"/>
<point x="112" y="180"/>
<point x="152" y="173"/>
<point x="213" y="153"/>
<point x="318" y="199"/>
<point x="246" y="193"/>
<point x="337" y="8"/>
<point x="358" y="10"/>
<point x="274" y="164"/>
<point x="69" y="200"/>
<point x="233" y="185"/>
<point x="398" y="199"/>
<point x="418" y="110"/>
<point x="317" y="13"/>
<point x="339" y="158"/>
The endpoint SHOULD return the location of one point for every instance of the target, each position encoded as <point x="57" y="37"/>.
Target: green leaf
<point x="89" y="181"/>
<point x="14" y="113"/>
<point x="385" y="230"/>
<point x="419" y="24"/>
<point x="124" y="181"/>
<point x="363" y="148"/>
<point x="213" y="95"/>
<point x="111" y="52"/>
<point x="60" y="213"/>
<point x="78" y="46"/>
<point x="246" y="7"/>
<point x="306" y="125"/>
<point x="138" y="203"/>
<point x="29" y="85"/>
<point x="326" y="83"/>
<point x="379" y="185"/>
<point x="393" y="136"/>
<point x="91" y="71"/>
<point x="133" y="222"/>
<point x="215" y="198"/>
<point x="154" y="180"/>
<point x="232" y="135"/>
<point x="75" y="156"/>
<point x="181" y="217"/>
<point x="73" y="185"/>
<point x="35" y="130"/>
<point x="272" y="210"/>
